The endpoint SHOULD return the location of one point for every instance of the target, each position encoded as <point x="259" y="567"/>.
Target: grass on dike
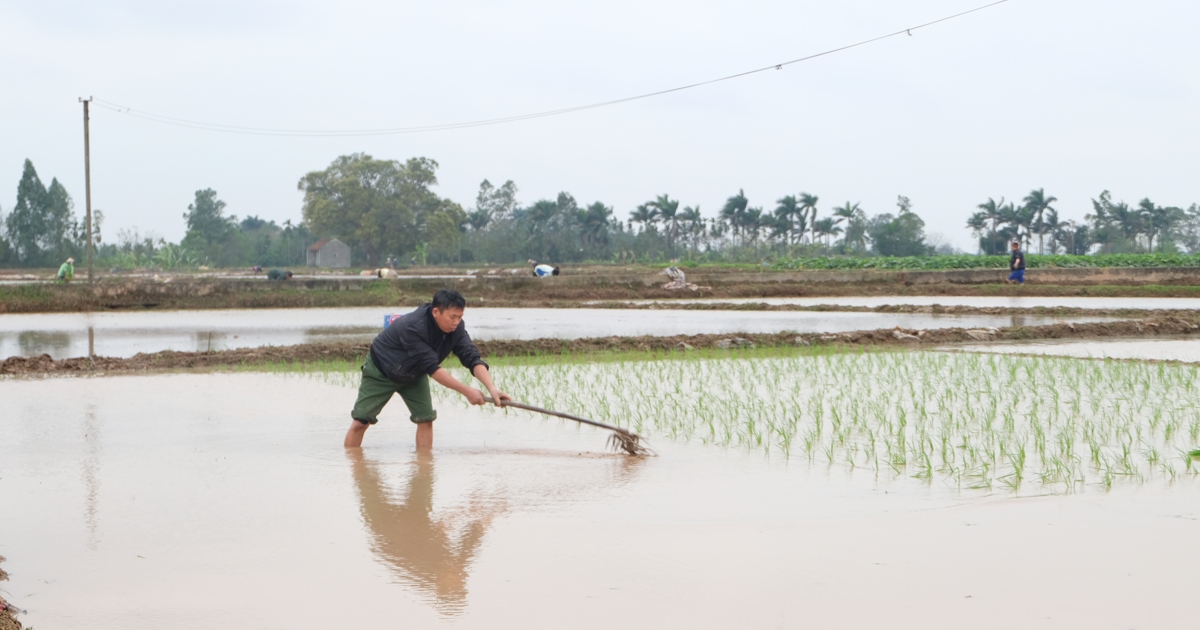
<point x="975" y="421"/>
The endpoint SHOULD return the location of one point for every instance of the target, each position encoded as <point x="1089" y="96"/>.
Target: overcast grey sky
<point x="1075" y="96"/>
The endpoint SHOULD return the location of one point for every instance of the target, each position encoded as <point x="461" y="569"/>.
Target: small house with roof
<point x="329" y="252"/>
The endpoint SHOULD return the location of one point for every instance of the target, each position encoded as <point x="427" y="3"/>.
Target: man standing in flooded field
<point x="1016" y="264"/>
<point x="406" y="355"/>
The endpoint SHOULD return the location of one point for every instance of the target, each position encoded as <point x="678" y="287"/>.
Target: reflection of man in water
<point x="419" y="548"/>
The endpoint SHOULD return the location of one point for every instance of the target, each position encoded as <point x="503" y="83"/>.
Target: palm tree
<point x="752" y="222"/>
<point x="1127" y="220"/>
<point x="1037" y="201"/>
<point x="593" y="223"/>
<point x="735" y="210"/>
<point x="826" y="227"/>
<point x="666" y="210"/>
<point x="790" y="212"/>
<point x="694" y="224"/>
<point x="1055" y="227"/>
<point x="991" y="212"/>
<point x="845" y="213"/>
<point x="644" y="215"/>
<point x="856" y="228"/>
<point x="780" y="227"/>
<point x="1021" y="220"/>
<point x="809" y="204"/>
<point x="1158" y="220"/>
<point x="978" y="223"/>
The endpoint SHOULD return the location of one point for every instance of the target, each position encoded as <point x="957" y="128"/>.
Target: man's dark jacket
<point x="1017" y="260"/>
<point x="414" y="345"/>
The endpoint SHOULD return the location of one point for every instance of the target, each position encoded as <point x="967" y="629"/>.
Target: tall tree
<point x="753" y="224"/>
<point x="63" y="236"/>
<point x="855" y="235"/>
<point x="845" y="212"/>
<point x="902" y="234"/>
<point x="1050" y="224"/>
<point x="493" y="203"/>
<point x="667" y="213"/>
<point x="978" y="224"/>
<point x="734" y="211"/>
<point x="826" y="227"/>
<point x="594" y="221"/>
<point x="379" y="207"/>
<point x="644" y="214"/>
<point x="1155" y="218"/>
<point x="208" y="229"/>
<point x="1021" y="221"/>
<point x="991" y="213"/>
<point x="694" y="225"/>
<point x="42" y="225"/>
<point x="790" y="213"/>
<point x="1039" y="202"/>
<point x="809" y="204"/>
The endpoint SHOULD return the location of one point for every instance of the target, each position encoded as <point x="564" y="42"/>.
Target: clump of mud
<point x="7" y="620"/>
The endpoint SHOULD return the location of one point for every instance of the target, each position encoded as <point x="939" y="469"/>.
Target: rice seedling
<point x="968" y="420"/>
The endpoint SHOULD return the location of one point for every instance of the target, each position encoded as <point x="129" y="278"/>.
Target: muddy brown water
<point x="218" y="501"/>
<point x="63" y="335"/>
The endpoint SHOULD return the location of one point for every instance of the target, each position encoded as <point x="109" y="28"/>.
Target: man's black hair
<point x="448" y="298"/>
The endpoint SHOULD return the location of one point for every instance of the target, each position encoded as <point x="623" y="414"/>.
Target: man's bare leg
<point x="354" y="435"/>
<point x="425" y="436"/>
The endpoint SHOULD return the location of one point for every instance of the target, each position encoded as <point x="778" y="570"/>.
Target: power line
<point x="262" y="131"/>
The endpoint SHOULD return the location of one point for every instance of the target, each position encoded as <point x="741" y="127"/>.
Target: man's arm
<point x="484" y="375"/>
<point x="474" y="396"/>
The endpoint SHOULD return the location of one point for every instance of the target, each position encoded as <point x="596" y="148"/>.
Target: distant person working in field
<point x="544" y="271"/>
<point x="406" y="355"/>
<point x="1016" y="265"/>
<point x="278" y="274"/>
<point x="66" y="272"/>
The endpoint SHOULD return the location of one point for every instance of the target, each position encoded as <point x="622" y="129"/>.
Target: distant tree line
<point x="388" y="209"/>
<point x="1111" y="227"/>
<point x="42" y="229"/>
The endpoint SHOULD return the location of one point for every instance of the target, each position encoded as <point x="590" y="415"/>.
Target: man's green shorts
<point x="376" y="390"/>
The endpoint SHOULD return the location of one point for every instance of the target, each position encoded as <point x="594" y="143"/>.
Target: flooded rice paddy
<point x="872" y="301"/>
<point x="117" y="334"/>
<point x="969" y="421"/>
<point x="1186" y="349"/>
<point x="226" y="500"/>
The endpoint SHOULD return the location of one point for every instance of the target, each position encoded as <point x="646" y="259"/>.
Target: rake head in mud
<point x="630" y="443"/>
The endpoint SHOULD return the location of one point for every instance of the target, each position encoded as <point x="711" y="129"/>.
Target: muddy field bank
<point x="1173" y="325"/>
<point x="183" y="292"/>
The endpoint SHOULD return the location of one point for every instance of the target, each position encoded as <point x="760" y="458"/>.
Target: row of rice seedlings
<point x="974" y="420"/>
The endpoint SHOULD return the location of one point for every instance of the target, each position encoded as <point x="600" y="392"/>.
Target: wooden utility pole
<point x="87" y="178"/>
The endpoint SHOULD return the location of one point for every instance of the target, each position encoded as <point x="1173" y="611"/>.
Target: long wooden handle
<point x="549" y="412"/>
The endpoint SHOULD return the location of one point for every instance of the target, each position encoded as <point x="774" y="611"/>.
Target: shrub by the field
<point x="990" y="262"/>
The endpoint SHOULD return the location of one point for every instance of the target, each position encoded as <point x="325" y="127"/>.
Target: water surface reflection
<point x="430" y="552"/>
<point x="431" y="548"/>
